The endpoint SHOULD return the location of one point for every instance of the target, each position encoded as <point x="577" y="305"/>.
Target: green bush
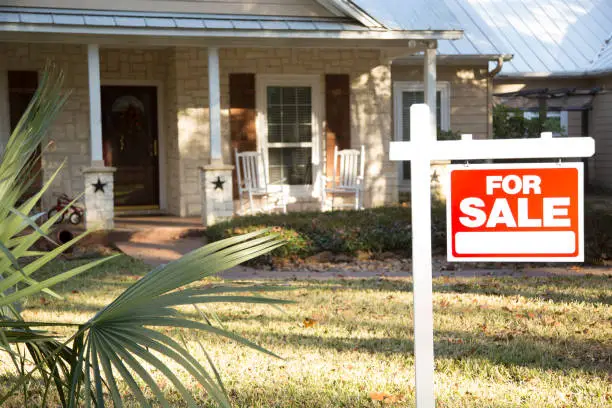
<point x="376" y="230"/>
<point x="384" y="229"/>
<point x="509" y="123"/>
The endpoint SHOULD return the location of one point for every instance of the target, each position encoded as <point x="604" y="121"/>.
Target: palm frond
<point x="121" y="337"/>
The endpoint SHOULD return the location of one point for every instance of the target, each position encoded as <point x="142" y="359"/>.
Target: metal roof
<point x="603" y="61"/>
<point x="545" y="37"/>
<point x="173" y="20"/>
<point x="75" y="21"/>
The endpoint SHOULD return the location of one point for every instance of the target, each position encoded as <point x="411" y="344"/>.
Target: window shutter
<point x="337" y="116"/>
<point x="242" y="116"/>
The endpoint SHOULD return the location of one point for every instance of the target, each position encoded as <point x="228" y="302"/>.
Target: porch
<point x="195" y="104"/>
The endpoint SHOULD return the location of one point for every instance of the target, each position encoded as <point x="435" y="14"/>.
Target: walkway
<point x="157" y="240"/>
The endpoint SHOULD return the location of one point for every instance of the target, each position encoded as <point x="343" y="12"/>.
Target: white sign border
<point x="494" y="166"/>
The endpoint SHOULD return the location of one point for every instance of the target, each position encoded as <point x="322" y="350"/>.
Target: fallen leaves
<point x="385" y="398"/>
<point x="308" y="322"/>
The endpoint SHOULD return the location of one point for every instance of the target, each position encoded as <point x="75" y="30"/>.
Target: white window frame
<point x="262" y="82"/>
<point x="563" y="116"/>
<point x="399" y="87"/>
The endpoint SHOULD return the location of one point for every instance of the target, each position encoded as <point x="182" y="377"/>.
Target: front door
<point x="129" y="133"/>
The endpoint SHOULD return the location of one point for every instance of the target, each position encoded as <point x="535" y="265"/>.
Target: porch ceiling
<point x="172" y="28"/>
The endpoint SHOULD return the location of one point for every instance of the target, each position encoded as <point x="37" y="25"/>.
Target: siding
<point x="602" y="132"/>
<point x="468" y="94"/>
<point x="308" y="8"/>
<point x="600" y="122"/>
<point x="574" y="123"/>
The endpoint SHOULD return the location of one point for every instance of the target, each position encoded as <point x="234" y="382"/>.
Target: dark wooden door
<point x="129" y="133"/>
<point x="22" y="86"/>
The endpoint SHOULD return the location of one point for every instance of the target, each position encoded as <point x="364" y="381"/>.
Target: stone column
<point x="99" y="198"/>
<point x="99" y="184"/>
<point x="217" y="198"/>
<point x="216" y="177"/>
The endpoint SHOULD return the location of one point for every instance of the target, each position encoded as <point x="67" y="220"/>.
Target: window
<point x="288" y="130"/>
<point x="555" y="120"/>
<point x="405" y="95"/>
<point x="289" y="120"/>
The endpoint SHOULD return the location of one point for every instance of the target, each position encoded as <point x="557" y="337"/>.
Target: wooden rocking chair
<point x="252" y="174"/>
<point x="347" y="178"/>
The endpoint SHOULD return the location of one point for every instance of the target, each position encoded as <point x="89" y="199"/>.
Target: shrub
<point x="598" y="234"/>
<point x="510" y="123"/>
<point x="374" y="230"/>
<point x="383" y="229"/>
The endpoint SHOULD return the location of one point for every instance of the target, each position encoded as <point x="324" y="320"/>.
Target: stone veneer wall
<point x="182" y="74"/>
<point x="370" y="81"/>
<point x="188" y="127"/>
<point x="187" y="84"/>
<point x="70" y="131"/>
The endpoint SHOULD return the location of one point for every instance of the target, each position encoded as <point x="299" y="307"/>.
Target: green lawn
<point x="507" y="342"/>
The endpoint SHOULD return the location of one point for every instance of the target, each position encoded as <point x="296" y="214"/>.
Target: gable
<point x="297" y="8"/>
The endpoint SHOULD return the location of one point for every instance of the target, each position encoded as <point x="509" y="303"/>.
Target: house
<point x="160" y="97"/>
<point x="163" y="91"/>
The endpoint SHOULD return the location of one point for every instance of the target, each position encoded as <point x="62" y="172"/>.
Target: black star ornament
<point x="218" y="183"/>
<point x="99" y="186"/>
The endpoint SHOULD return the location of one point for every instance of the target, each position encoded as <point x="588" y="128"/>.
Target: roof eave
<point x="563" y="74"/>
<point x="462" y="58"/>
<point x="235" y="33"/>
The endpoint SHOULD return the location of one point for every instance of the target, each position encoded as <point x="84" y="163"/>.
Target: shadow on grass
<point x="588" y="356"/>
<point x="541" y="288"/>
<point x="535" y="288"/>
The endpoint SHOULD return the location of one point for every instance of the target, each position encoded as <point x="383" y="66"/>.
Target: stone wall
<point x="182" y="76"/>
<point x="70" y="131"/>
<point x="370" y="81"/>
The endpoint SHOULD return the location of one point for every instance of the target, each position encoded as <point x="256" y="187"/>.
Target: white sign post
<point x="421" y="150"/>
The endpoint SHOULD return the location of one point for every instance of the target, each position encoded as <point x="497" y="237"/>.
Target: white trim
<point x="444" y="87"/>
<point x="314" y="82"/>
<point x="214" y="105"/>
<point x="229" y="33"/>
<point x="429" y="78"/>
<point x="565" y="121"/>
<point x="161" y="139"/>
<point x="95" y="111"/>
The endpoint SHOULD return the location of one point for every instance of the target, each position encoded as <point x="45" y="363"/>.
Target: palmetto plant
<point x="120" y="343"/>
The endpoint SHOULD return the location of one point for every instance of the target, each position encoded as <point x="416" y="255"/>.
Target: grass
<point x="500" y="342"/>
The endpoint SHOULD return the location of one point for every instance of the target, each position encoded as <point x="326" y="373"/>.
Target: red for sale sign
<point x="516" y="212"/>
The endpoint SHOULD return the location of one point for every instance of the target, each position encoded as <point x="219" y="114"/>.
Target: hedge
<point x="384" y="229"/>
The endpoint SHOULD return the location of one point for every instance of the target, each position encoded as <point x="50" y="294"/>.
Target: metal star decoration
<point x="218" y="183"/>
<point x="435" y="177"/>
<point x="99" y="186"/>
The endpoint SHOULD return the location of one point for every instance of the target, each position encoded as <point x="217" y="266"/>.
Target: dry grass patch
<point x="505" y="342"/>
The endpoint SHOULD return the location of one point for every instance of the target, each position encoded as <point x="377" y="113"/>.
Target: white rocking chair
<point x="252" y="173"/>
<point x="347" y="178"/>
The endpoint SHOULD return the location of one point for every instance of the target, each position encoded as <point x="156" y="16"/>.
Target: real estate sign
<point x="516" y="212"/>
